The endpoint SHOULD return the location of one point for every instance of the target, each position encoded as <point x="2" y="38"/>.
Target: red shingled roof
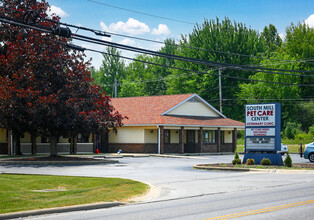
<point x="147" y="110"/>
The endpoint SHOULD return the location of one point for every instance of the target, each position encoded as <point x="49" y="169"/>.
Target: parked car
<point x="284" y="149"/>
<point x="309" y="152"/>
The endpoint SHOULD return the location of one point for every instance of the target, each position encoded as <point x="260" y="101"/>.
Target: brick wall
<point x="227" y="147"/>
<point x="133" y="148"/>
<point x="172" y="148"/>
<point x="209" y="148"/>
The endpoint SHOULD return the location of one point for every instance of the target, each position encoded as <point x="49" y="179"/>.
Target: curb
<point x="57" y="162"/>
<point x="61" y="210"/>
<point x="200" y="167"/>
<point x="283" y="171"/>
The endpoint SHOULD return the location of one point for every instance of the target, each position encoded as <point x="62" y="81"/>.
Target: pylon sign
<point x="262" y="132"/>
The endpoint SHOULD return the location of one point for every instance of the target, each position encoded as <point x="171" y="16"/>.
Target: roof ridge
<point x="190" y="94"/>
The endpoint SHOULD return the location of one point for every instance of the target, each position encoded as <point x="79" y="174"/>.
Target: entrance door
<point x="104" y="142"/>
<point x="189" y="147"/>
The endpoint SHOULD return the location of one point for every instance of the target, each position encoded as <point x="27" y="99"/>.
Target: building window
<point x="209" y="137"/>
<point x="167" y="136"/>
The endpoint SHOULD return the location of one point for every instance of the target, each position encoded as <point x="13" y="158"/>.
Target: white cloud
<point x="155" y="46"/>
<point x="58" y="11"/>
<point x="128" y="42"/>
<point x="132" y="26"/>
<point x="310" y="21"/>
<point x="109" y="39"/>
<point x="162" y="30"/>
<point x="282" y="36"/>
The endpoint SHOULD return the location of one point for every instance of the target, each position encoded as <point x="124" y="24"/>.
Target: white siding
<point x="174" y="136"/>
<point x="194" y="109"/>
<point x="151" y="136"/>
<point x="127" y="135"/>
<point x="3" y="136"/>
<point x="228" y="137"/>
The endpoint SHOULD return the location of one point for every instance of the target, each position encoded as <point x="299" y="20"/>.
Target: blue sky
<point x="254" y="13"/>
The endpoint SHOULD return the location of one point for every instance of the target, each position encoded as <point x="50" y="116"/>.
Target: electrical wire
<point x="198" y="72"/>
<point x="187" y="59"/>
<point x="107" y="34"/>
<point x="142" y="13"/>
<point x="134" y="49"/>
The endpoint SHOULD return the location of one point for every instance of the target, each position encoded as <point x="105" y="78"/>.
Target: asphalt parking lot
<point x="171" y="177"/>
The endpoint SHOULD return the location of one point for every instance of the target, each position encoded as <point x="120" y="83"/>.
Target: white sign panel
<point x="260" y="115"/>
<point x="260" y="132"/>
<point x="260" y="143"/>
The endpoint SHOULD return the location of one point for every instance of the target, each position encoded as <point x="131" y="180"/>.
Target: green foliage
<point x="266" y="162"/>
<point x="266" y="49"/>
<point x="292" y="128"/>
<point x="250" y="162"/>
<point x="271" y="37"/>
<point x="236" y="155"/>
<point x="311" y="130"/>
<point x="236" y="161"/>
<point x="288" y="161"/>
<point x="215" y="35"/>
<point x="112" y="68"/>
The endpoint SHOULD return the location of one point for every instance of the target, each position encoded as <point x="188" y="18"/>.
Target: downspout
<point x="12" y="153"/>
<point x="158" y="139"/>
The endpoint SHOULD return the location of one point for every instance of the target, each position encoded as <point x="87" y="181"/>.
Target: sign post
<point x="262" y="132"/>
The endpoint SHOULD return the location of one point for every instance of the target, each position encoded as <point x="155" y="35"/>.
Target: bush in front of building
<point x="250" y="162"/>
<point x="266" y="162"/>
<point x="236" y="159"/>
<point x="288" y="161"/>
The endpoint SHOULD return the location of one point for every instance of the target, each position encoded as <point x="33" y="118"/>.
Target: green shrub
<point x="311" y="130"/>
<point x="236" y="155"/>
<point x="236" y="161"/>
<point x="292" y="128"/>
<point x="250" y="162"/>
<point x="265" y="161"/>
<point x="288" y="161"/>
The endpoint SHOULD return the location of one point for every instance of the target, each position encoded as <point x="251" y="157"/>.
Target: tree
<point x="113" y="68"/>
<point x="48" y="88"/>
<point x="140" y="78"/>
<point x="220" y="41"/>
<point x="271" y="38"/>
<point x="299" y="44"/>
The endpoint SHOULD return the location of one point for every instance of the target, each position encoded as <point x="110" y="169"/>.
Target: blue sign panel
<point x="262" y="129"/>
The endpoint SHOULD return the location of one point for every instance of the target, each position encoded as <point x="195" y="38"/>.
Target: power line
<point x="107" y="34"/>
<point x="192" y="60"/>
<point x="197" y="72"/>
<point x="142" y="13"/>
<point x="150" y="52"/>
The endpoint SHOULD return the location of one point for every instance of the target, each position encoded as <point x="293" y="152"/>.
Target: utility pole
<point x="115" y="88"/>
<point x="220" y="92"/>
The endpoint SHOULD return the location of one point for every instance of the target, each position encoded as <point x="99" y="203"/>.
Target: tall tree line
<point x="229" y="42"/>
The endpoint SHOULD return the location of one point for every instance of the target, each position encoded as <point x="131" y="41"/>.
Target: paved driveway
<point x="174" y="178"/>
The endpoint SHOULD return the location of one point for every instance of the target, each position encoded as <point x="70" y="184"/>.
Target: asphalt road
<point x="181" y="192"/>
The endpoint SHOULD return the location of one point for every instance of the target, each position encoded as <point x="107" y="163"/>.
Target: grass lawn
<point x="20" y="192"/>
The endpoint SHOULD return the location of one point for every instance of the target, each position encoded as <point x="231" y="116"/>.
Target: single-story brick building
<point x="156" y="124"/>
<point x="171" y="124"/>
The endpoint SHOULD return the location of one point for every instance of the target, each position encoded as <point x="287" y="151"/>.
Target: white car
<point x="284" y="149"/>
